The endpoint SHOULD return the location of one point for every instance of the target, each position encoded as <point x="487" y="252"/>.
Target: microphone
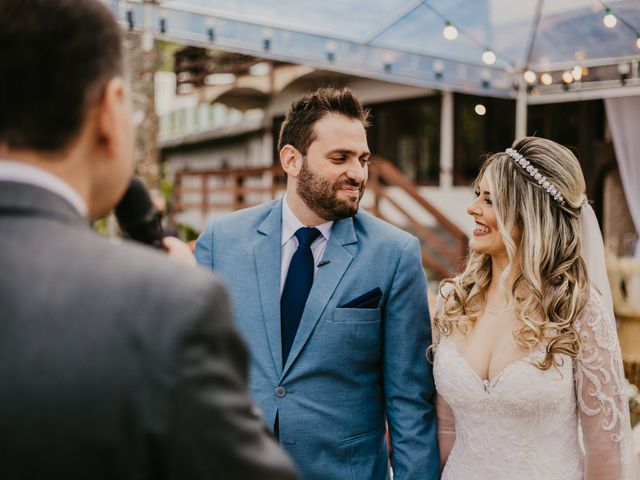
<point x="138" y="218"/>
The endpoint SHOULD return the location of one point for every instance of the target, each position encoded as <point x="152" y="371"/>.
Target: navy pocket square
<point x="371" y="299"/>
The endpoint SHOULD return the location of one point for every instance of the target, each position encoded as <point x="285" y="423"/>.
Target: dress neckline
<point x="487" y="384"/>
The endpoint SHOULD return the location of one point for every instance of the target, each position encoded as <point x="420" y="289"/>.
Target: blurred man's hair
<point x="297" y="128"/>
<point x="56" y="57"/>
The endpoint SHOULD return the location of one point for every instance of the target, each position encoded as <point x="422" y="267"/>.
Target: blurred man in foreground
<point x="114" y="362"/>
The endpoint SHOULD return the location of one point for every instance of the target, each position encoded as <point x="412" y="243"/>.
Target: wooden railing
<point x="226" y="181"/>
<point x="444" y="246"/>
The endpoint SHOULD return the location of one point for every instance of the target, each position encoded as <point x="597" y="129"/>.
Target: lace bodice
<point x="526" y="423"/>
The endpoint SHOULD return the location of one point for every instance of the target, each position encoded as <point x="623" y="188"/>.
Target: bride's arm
<point x="446" y="428"/>
<point x="602" y="407"/>
<point x="446" y="420"/>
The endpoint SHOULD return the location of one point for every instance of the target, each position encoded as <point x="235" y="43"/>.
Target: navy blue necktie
<point x="296" y="288"/>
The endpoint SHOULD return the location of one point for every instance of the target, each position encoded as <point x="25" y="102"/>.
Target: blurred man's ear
<point x="291" y="160"/>
<point x="112" y="111"/>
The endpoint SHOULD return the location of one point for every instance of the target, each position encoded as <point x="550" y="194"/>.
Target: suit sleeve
<point x="204" y="247"/>
<point x="216" y="431"/>
<point x="408" y="377"/>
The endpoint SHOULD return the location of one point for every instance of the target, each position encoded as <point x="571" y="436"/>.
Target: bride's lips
<point x="481" y="230"/>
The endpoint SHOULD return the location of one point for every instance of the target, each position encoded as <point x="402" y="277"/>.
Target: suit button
<point x="281" y="392"/>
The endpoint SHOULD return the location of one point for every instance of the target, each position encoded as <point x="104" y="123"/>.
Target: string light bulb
<point x="609" y="20"/>
<point x="638" y="40"/>
<point x="450" y="32"/>
<point x="576" y="73"/>
<point x="567" y="77"/>
<point x="488" y="56"/>
<point x="530" y="77"/>
<point x="546" y="79"/>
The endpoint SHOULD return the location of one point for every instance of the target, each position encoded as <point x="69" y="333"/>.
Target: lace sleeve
<point x="602" y="407"/>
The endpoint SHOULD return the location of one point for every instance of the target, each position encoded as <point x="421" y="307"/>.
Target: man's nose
<point x="357" y="171"/>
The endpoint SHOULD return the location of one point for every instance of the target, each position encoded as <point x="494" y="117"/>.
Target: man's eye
<point x="365" y="161"/>
<point x="339" y="158"/>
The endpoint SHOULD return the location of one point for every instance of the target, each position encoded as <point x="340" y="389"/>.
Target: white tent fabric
<point x="402" y="40"/>
<point x="623" y="117"/>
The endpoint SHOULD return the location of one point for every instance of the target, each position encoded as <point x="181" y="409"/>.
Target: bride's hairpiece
<point x="537" y="176"/>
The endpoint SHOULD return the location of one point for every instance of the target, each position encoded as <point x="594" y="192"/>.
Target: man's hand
<point x="179" y="251"/>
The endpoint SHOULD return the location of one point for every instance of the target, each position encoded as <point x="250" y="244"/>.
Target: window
<point x="407" y="133"/>
<point x="578" y="126"/>
<point x="477" y="135"/>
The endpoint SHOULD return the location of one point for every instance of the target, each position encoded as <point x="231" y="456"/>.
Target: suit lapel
<point x="267" y="253"/>
<point x="324" y="284"/>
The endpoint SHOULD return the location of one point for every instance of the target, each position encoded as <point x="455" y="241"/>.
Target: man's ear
<point x="111" y="115"/>
<point x="291" y="160"/>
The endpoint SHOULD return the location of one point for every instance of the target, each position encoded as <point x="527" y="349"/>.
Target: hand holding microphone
<point x="141" y="221"/>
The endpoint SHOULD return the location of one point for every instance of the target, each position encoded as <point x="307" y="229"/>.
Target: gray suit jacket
<point x="114" y="361"/>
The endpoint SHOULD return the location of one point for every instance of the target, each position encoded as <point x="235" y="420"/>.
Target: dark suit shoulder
<point x="153" y="273"/>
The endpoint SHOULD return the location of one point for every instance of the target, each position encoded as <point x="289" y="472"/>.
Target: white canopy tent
<point x="566" y="47"/>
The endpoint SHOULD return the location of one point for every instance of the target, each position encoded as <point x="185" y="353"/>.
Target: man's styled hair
<point x="56" y="58"/>
<point x="297" y="128"/>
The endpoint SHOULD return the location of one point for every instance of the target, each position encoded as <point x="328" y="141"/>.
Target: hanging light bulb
<point x="567" y="77"/>
<point x="609" y="19"/>
<point x="638" y="40"/>
<point x="529" y="76"/>
<point x="546" y="79"/>
<point x="488" y="56"/>
<point x="450" y="32"/>
<point x="576" y="73"/>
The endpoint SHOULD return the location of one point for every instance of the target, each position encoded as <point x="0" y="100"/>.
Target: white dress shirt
<point x="19" y="172"/>
<point x="289" y="245"/>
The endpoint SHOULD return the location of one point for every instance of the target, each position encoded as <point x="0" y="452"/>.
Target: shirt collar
<point x="291" y="224"/>
<point x="19" y="172"/>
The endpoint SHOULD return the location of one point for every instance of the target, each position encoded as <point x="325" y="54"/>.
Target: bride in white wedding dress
<point x="526" y="357"/>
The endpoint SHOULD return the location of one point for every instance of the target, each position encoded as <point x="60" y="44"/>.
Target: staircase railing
<point x="443" y="245"/>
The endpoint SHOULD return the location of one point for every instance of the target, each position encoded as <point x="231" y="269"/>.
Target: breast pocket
<point x="356" y="315"/>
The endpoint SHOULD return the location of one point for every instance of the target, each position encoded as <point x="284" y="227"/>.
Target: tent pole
<point x="521" y="107"/>
<point x="446" y="141"/>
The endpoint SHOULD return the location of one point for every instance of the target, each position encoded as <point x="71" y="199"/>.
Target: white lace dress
<point x="526" y="423"/>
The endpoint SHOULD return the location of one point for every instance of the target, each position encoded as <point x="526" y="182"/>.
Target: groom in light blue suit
<point x="333" y="305"/>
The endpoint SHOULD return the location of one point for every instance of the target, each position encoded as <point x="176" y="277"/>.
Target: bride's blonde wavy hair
<point x="552" y="288"/>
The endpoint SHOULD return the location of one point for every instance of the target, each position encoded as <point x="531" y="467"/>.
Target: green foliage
<point x="166" y="52"/>
<point x="187" y="233"/>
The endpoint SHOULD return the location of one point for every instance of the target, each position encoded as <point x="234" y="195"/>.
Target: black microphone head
<point x="135" y="203"/>
<point x="138" y="217"/>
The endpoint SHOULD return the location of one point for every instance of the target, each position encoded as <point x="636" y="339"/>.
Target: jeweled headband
<point x="533" y="172"/>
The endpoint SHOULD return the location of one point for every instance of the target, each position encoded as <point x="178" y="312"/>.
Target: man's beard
<point x="321" y="196"/>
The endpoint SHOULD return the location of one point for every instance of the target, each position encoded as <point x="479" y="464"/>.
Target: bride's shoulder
<point x="595" y="317"/>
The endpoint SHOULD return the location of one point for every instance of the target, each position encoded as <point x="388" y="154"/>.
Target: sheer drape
<point x="623" y="117"/>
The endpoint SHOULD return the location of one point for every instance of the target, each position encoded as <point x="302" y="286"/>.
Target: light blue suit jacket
<point x="349" y="369"/>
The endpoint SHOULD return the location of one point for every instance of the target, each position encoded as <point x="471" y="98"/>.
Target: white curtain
<point x="623" y="116"/>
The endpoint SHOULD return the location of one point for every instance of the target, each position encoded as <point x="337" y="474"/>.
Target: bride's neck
<point x="500" y="293"/>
